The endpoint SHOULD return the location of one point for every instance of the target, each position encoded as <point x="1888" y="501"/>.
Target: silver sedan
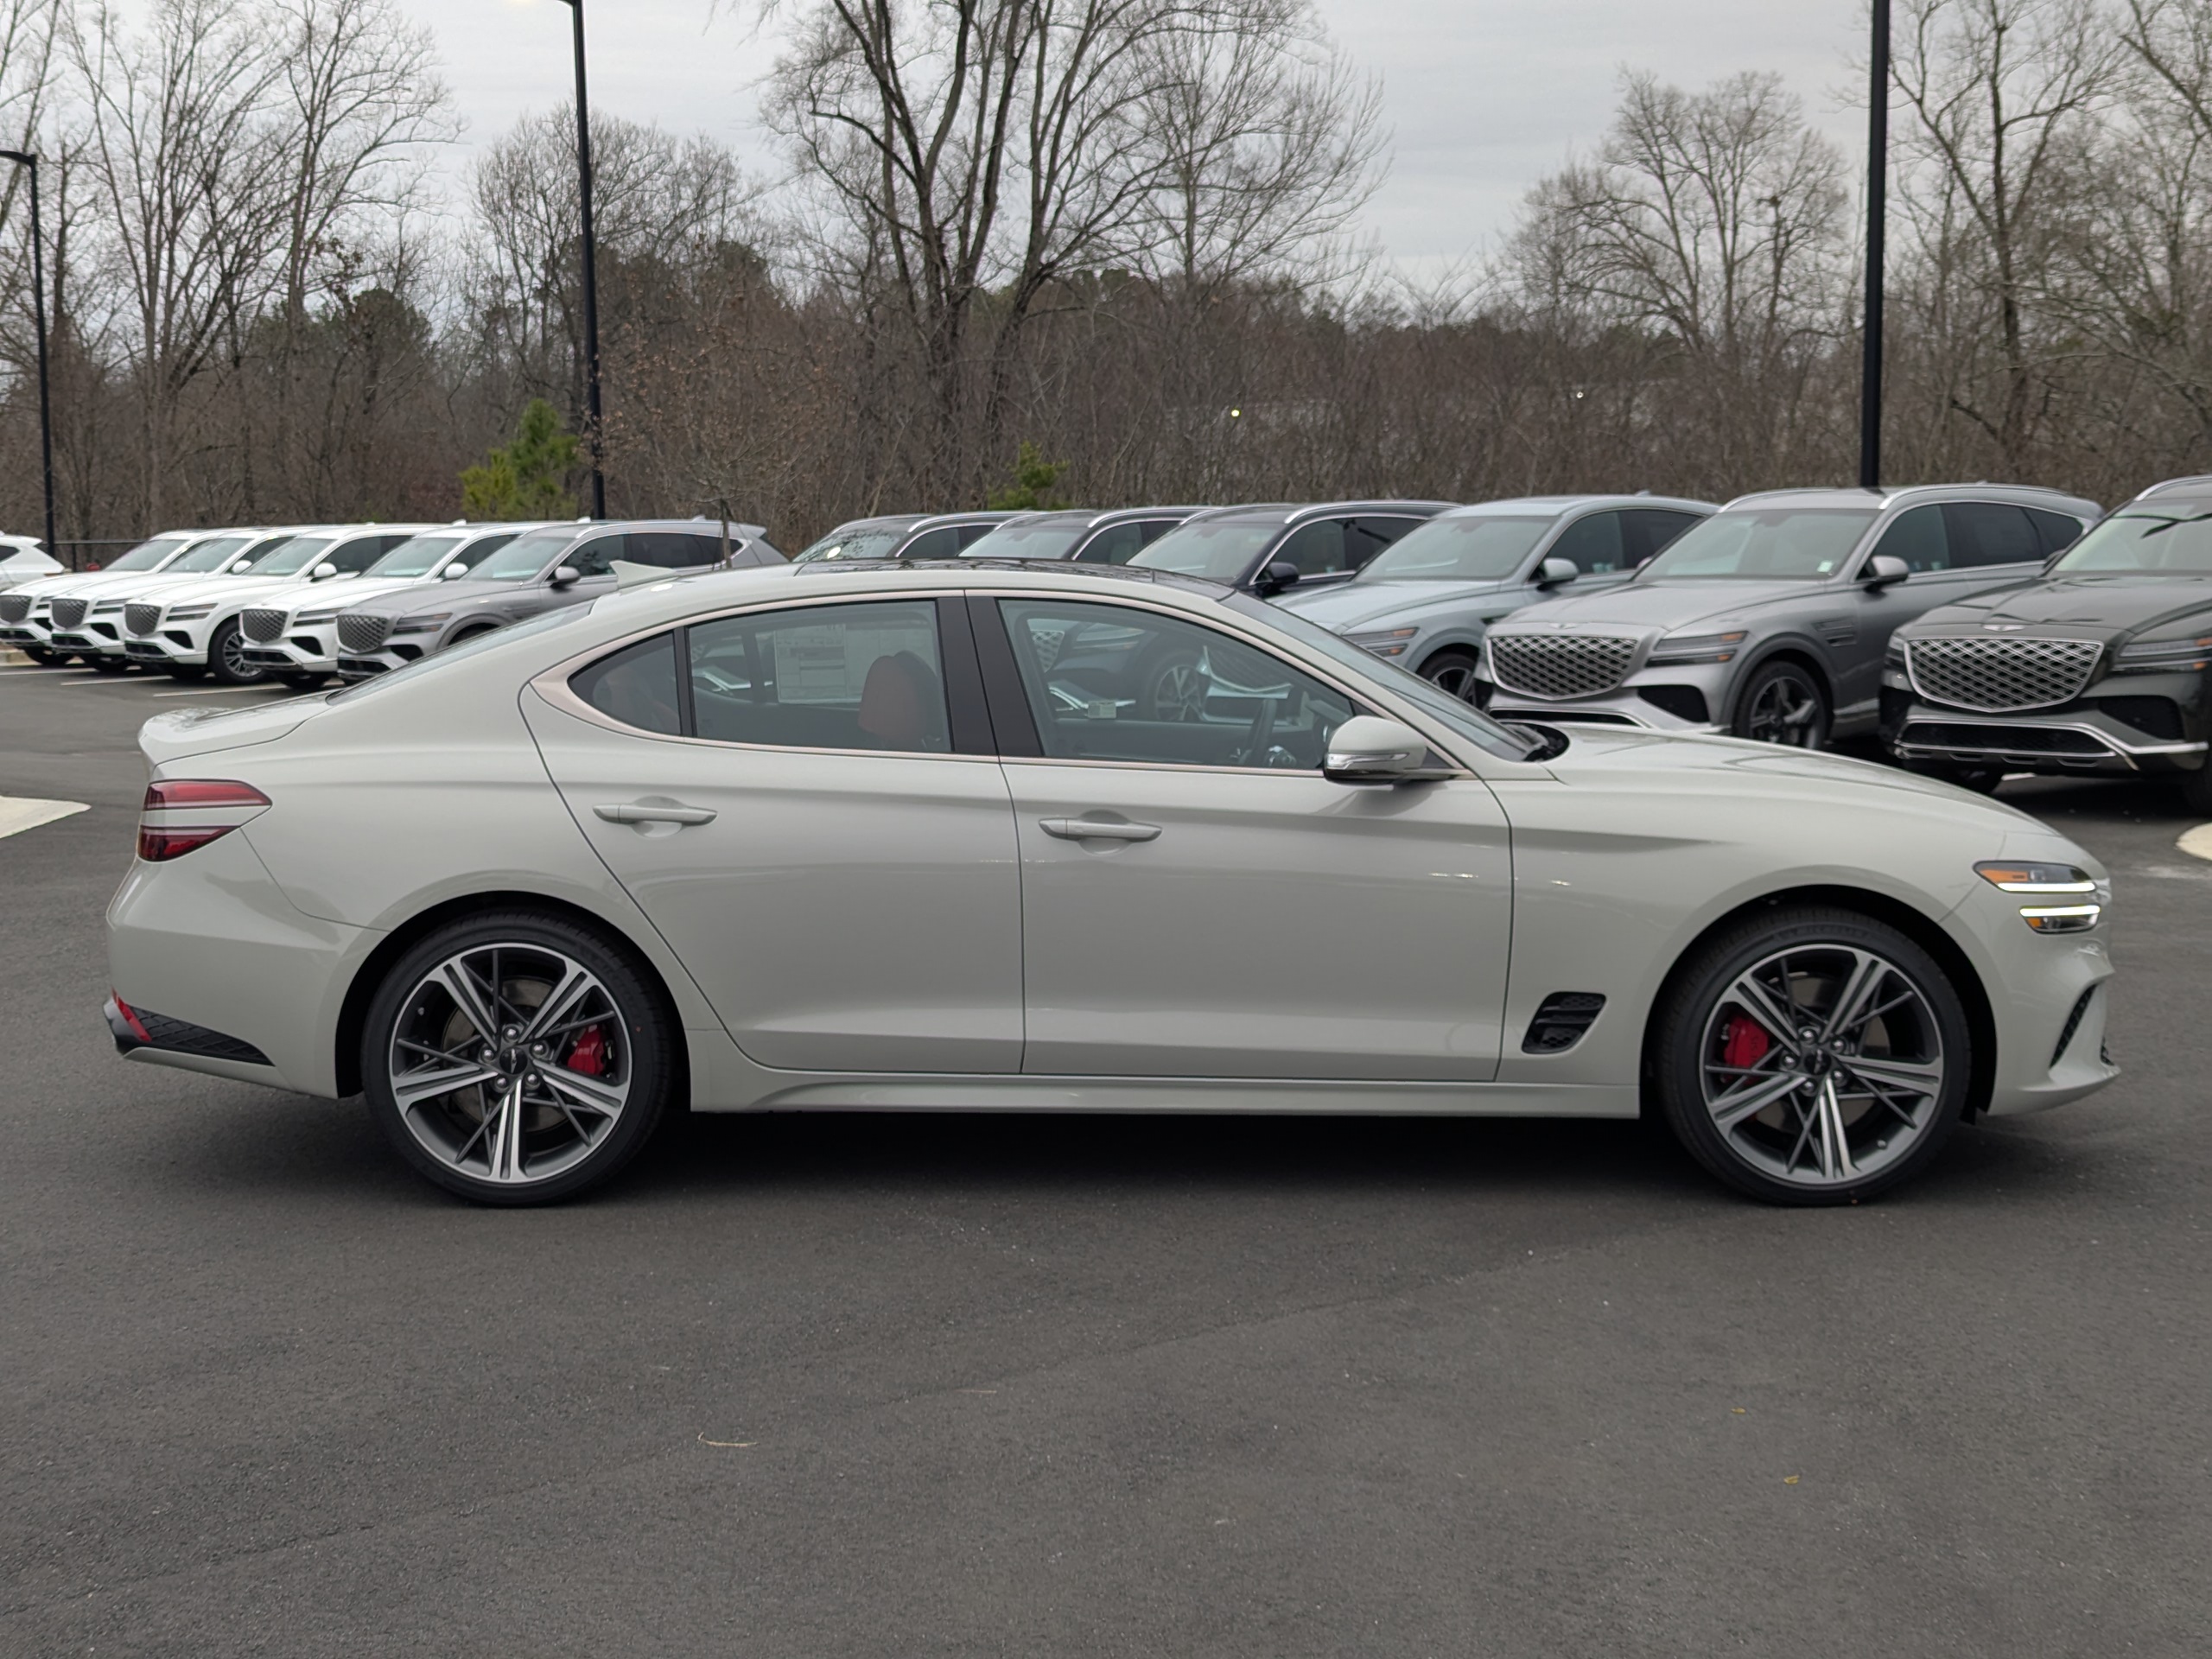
<point x="868" y="837"/>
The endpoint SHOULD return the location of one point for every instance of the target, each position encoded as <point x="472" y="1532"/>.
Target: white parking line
<point x="18" y="814"/>
<point x="2196" y="842"/>
<point x="214" y="691"/>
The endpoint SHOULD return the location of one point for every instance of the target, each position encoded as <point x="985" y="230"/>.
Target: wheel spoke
<point x="411" y="1089"/>
<point x="505" y="1149"/>
<point x="1751" y="1099"/>
<point x="1758" y="1001"/>
<point x="1865" y="978"/>
<point x="1920" y="1077"/>
<point x="559" y="1003"/>
<point x="1834" y="1147"/>
<point x="584" y="1092"/>
<point x="461" y="985"/>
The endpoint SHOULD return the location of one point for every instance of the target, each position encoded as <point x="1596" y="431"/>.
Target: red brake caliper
<point x="588" y="1056"/>
<point x="1744" y="1043"/>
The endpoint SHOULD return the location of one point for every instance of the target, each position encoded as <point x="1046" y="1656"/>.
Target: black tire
<point x="186" y="673"/>
<point x="1693" y="1049"/>
<point x="2196" y="790"/>
<point x="642" y="1037"/>
<point x="304" y="682"/>
<point x="104" y="663"/>
<point x="46" y="656"/>
<point x="225" y="661"/>
<point x="1982" y="780"/>
<point x="1454" y="670"/>
<point x="1782" y="702"/>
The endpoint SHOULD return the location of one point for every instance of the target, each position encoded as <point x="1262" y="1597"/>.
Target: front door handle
<point x="1097" y="829"/>
<point x="655" y="812"/>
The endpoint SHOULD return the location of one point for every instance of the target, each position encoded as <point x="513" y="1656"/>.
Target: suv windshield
<point x="863" y="539"/>
<point x="1792" y="544"/>
<point x="1043" y="538"/>
<point x="1479" y="547"/>
<point x="210" y="555"/>
<point x="417" y="557"/>
<point x="289" y="558"/>
<point x="146" y="555"/>
<point x="524" y="556"/>
<point x="1218" y="549"/>
<point x="2171" y="538"/>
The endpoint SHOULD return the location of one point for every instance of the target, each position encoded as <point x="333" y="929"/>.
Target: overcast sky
<point x="1482" y="98"/>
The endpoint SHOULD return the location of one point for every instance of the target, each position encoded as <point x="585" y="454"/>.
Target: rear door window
<point x="1990" y="532"/>
<point x="865" y="676"/>
<point x="2059" y="530"/>
<point x="944" y="543"/>
<point x="1644" y="530"/>
<point x="1366" y="537"/>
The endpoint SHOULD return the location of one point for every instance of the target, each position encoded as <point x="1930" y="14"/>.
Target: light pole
<point x="1878" y="163"/>
<point x="25" y="160"/>
<point x="591" y="271"/>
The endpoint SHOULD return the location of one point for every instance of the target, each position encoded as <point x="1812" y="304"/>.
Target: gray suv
<point x="1079" y="534"/>
<point x="1424" y="601"/>
<point x="1266" y="548"/>
<point x="903" y="535"/>
<point x="1769" y="619"/>
<point x="543" y="570"/>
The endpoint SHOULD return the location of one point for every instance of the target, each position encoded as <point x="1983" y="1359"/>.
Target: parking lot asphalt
<point x="862" y="1385"/>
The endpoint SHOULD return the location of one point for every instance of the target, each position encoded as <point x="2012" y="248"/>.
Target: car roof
<point x="2197" y="484"/>
<point x="1291" y="512"/>
<point x="1092" y="518"/>
<point x="1563" y="503"/>
<point x="2026" y="495"/>
<point x="980" y="516"/>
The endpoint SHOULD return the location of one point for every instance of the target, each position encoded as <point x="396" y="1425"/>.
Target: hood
<point x="340" y="593"/>
<point x="221" y="589"/>
<point x="460" y="594"/>
<point x="1358" y="604"/>
<point x="1660" y="607"/>
<point x="68" y="582"/>
<point x="185" y="732"/>
<point x="2083" y="606"/>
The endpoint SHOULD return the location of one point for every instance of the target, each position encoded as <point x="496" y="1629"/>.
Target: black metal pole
<point x="38" y="301"/>
<point x="591" y="275"/>
<point x="1878" y="164"/>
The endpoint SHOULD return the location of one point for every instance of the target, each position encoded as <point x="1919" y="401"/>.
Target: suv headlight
<point x="1389" y="642"/>
<point x="309" y="618"/>
<point x="1697" y="648"/>
<point x="1893" y="654"/>
<point x="2164" y="657"/>
<point x="188" y="613"/>
<point x="429" y="624"/>
<point x="2067" y="899"/>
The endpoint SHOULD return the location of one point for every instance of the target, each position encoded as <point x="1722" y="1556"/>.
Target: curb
<point x="9" y="658"/>
<point x="2196" y="842"/>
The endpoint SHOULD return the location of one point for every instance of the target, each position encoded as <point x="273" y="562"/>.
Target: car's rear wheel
<point x="226" y="658"/>
<point x="1453" y="671"/>
<point x="1812" y="1056"/>
<point x="1784" y="704"/>
<point x="516" y="1058"/>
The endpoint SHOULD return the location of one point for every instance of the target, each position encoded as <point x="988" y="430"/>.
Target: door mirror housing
<point x="1884" y="569"/>
<point x="566" y="576"/>
<point x="324" y="571"/>
<point x="1276" y="577"/>
<point x="1554" y="573"/>
<point x="453" y="571"/>
<point x="1369" y="749"/>
<point x="241" y="567"/>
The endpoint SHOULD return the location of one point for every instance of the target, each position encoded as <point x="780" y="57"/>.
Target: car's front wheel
<point x="1811" y="1056"/>
<point x="46" y="656"/>
<point x="1453" y="671"/>
<point x="516" y="1058"/>
<point x="226" y="657"/>
<point x="1783" y="703"/>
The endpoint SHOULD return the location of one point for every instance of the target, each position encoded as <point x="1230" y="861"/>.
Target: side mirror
<point x="1552" y="573"/>
<point x="1368" y="749"/>
<point x="242" y="566"/>
<point x="454" y="570"/>
<point x="567" y="576"/>
<point x="1277" y="577"/>
<point x="324" y="572"/>
<point x="1882" y="570"/>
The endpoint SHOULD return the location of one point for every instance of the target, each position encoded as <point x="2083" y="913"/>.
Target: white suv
<point x="192" y="628"/>
<point x="27" y="619"/>
<point x="296" y="638"/>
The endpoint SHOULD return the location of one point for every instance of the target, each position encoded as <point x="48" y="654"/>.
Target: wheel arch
<point x="354" y="1010"/>
<point x="1915" y="925"/>
<point x="1789" y="648"/>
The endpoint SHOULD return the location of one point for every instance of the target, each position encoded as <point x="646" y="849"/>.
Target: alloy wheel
<point x="1786" y="710"/>
<point x="510" y="1064"/>
<point x="231" y="662"/>
<point x="1822" y="1065"/>
<point x="1178" y="690"/>
<point x="1455" y="677"/>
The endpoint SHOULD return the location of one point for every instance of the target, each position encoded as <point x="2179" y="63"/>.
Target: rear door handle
<point x="1096" y="830"/>
<point x="655" y="812"/>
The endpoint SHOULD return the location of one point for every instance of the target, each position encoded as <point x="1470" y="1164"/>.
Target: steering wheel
<point x="1263" y="729"/>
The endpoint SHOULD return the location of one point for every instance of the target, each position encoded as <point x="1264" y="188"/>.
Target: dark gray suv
<point x="561" y="564"/>
<point x="1266" y="548"/>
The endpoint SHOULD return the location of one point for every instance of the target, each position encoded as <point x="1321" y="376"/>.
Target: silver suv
<point x="1769" y="620"/>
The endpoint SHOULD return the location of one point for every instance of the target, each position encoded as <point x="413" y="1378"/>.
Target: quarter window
<point x="1110" y="683"/>
<point x="1644" y="530"/>
<point x="824" y="676"/>
<point x="635" y="686"/>
<point x="936" y="544"/>
<point x="2059" y="530"/>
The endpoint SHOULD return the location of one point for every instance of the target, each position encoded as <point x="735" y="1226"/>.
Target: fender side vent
<point x="1560" y="1021"/>
<point x="2073" y="1024"/>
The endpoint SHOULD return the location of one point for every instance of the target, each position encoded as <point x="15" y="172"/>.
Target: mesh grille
<point x="14" y="607"/>
<point x="70" y="613"/>
<point x="262" y="625"/>
<point x="2001" y="675"/>
<point x="1560" y="664"/>
<point x="362" y="632"/>
<point x="141" y="619"/>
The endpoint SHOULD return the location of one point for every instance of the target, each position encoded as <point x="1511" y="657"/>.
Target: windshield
<point x="1792" y="544"/>
<point x="1477" y="547"/>
<point x="210" y="555"/>
<point x="1221" y="550"/>
<point x="289" y="558"/>
<point x="416" y="557"/>
<point x="2173" y="539"/>
<point x="524" y="556"/>
<point x="468" y="648"/>
<point x="1047" y="538"/>
<point x="862" y="539"/>
<point x="146" y="555"/>
<point x="1462" y="717"/>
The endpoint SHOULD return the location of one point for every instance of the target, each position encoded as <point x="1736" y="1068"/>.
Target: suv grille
<point x="362" y="632"/>
<point x="14" y="607"/>
<point x="70" y="613"/>
<point x="262" y="625"/>
<point x="2001" y="675"/>
<point x="141" y="619"/>
<point x="1560" y="664"/>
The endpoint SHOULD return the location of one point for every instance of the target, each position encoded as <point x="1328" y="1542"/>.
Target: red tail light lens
<point x="159" y="842"/>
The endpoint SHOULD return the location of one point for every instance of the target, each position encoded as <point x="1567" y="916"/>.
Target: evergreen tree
<point x="1034" y="478"/>
<point x="524" y="480"/>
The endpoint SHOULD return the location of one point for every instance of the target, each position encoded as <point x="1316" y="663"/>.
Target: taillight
<point x="163" y="829"/>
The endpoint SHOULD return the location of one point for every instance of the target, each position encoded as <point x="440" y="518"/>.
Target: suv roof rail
<point x="2197" y="481"/>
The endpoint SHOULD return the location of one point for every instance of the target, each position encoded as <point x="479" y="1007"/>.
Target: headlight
<point x="1893" y="656"/>
<point x="188" y="612"/>
<point x="2167" y="657"/>
<point x="1390" y="642"/>
<point x="309" y="618"/>
<point x="429" y="624"/>
<point x="1697" y="648"/>
<point x="2070" y="895"/>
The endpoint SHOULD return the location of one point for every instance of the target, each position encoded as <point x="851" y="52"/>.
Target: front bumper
<point x="394" y="654"/>
<point x="171" y="648"/>
<point x="2048" y="995"/>
<point x="2163" y="730"/>
<point x="31" y="630"/>
<point x="1670" y="697"/>
<point x="102" y="637"/>
<point x="302" y="650"/>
